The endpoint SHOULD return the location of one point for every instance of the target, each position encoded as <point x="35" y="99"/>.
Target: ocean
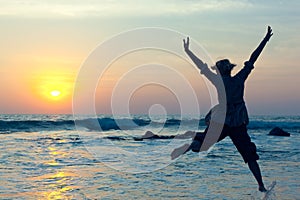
<point x="53" y="157"/>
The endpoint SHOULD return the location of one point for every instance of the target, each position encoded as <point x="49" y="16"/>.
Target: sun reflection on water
<point x="59" y="193"/>
<point x="57" y="181"/>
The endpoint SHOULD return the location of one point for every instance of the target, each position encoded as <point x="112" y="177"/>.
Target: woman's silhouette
<point x="235" y="118"/>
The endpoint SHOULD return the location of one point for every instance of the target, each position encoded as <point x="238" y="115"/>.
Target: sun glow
<point x="54" y="86"/>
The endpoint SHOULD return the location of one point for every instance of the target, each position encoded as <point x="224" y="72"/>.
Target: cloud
<point x="111" y="8"/>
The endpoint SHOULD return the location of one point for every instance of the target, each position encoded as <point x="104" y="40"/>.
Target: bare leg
<point x="194" y="146"/>
<point x="254" y="167"/>
<point x="180" y="151"/>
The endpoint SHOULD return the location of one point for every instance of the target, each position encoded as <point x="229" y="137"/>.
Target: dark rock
<point x="151" y="135"/>
<point x="278" y="132"/>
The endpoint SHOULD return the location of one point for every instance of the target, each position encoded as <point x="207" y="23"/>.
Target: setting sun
<point x="55" y="93"/>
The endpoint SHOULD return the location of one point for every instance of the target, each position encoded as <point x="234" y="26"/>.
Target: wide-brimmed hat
<point x="224" y="66"/>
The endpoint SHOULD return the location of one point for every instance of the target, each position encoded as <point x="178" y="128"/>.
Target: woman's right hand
<point x="186" y="43"/>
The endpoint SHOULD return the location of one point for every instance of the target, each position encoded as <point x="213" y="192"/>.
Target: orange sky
<point x="44" y="44"/>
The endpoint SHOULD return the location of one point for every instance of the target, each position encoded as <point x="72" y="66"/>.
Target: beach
<point x="43" y="160"/>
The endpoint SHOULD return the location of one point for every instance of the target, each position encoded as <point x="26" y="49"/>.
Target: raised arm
<point x="249" y="65"/>
<point x="186" y="43"/>
<point x="198" y="62"/>
<point x="261" y="46"/>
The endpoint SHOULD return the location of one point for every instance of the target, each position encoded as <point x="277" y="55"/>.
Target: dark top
<point x="233" y="106"/>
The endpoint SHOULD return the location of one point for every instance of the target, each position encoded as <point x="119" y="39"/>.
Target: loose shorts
<point x="239" y="137"/>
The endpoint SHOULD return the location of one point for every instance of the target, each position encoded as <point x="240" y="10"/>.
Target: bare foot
<point x="179" y="151"/>
<point x="262" y="188"/>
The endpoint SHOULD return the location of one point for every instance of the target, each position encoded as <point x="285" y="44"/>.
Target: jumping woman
<point x="231" y="103"/>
